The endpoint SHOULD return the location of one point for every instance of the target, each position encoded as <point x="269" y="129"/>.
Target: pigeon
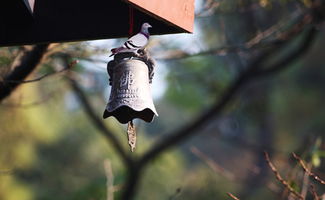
<point x="136" y="42"/>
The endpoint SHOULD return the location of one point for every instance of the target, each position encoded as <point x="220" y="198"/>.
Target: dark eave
<point x="73" y="20"/>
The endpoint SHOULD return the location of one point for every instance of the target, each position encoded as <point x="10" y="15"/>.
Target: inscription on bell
<point x="127" y="79"/>
<point x="126" y="89"/>
<point x="127" y="93"/>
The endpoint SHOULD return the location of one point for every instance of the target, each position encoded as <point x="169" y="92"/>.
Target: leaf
<point x="315" y="159"/>
<point x="316" y="153"/>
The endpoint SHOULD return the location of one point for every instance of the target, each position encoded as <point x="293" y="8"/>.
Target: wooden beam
<point x="47" y="21"/>
<point x="176" y="12"/>
<point x="15" y="12"/>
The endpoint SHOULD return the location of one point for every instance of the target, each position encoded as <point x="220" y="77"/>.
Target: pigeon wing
<point x="137" y="41"/>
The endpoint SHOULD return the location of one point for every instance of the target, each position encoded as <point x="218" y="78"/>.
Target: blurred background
<point x="49" y="149"/>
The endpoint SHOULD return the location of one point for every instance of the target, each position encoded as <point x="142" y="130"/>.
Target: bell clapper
<point x="132" y="135"/>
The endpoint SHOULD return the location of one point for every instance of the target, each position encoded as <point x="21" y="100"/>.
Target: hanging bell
<point x="130" y="77"/>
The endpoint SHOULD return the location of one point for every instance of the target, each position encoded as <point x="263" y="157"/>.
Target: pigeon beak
<point x="149" y="26"/>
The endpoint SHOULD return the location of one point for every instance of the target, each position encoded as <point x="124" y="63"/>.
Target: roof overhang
<point x="47" y="21"/>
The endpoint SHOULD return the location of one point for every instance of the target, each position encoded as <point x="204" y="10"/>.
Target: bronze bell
<point x="130" y="78"/>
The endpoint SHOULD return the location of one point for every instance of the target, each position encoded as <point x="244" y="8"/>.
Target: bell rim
<point x="113" y="113"/>
<point x="153" y="109"/>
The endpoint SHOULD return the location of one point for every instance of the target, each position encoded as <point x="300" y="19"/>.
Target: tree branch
<point x="213" y="165"/>
<point x="251" y="73"/>
<point x="98" y="122"/>
<point x="24" y="64"/>
<point x="313" y="192"/>
<point x="279" y="177"/>
<point x="284" y="63"/>
<point x="109" y="179"/>
<point x="254" y="43"/>
<point x="232" y="196"/>
<point x="305" y="168"/>
<point x="68" y="67"/>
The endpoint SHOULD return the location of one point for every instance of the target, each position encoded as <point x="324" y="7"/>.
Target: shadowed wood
<point x="78" y="20"/>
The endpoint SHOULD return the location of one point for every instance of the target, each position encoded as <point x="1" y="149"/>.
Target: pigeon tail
<point x="116" y="50"/>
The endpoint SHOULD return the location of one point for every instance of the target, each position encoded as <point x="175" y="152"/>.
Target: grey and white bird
<point x="136" y="42"/>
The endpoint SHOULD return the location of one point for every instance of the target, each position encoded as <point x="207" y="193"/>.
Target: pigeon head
<point x="146" y="25"/>
<point x="144" y="28"/>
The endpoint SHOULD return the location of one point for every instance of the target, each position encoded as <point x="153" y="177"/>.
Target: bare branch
<point x="179" y="54"/>
<point x="313" y="192"/>
<point x="301" y="49"/>
<point x="96" y="60"/>
<point x="109" y="179"/>
<point x="303" y="165"/>
<point x="305" y="183"/>
<point x="214" y="166"/>
<point x="69" y="66"/>
<point x="279" y="177"/>
<point x="254" y="43"/>
<point x="250" y="74"/>
<point x="232" y="196"/>
<point x="25" y="63"/>
<point x="26" y="105"/>
<point x="98" y="122"/>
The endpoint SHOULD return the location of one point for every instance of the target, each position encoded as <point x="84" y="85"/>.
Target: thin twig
<point x="232" y="196"/>
<point x="303" y="165"/>
<point x="313" y="192"/>
<point x="109" y="179"/>
<point x="279" y="177"/>
<point x="254" y="43"/>
<point x="180" y="54"/>
<point x="272" y="30"/>
<point x="304" y="46"/>
<point x="24" y="64"/>
<point x="26" y="105"/>
<point x="305" y="183"/>
<point x="69" y="66"/>
<point x="213" y="165"/>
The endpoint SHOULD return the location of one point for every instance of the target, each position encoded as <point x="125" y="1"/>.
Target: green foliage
<point x="317" y="153"/>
